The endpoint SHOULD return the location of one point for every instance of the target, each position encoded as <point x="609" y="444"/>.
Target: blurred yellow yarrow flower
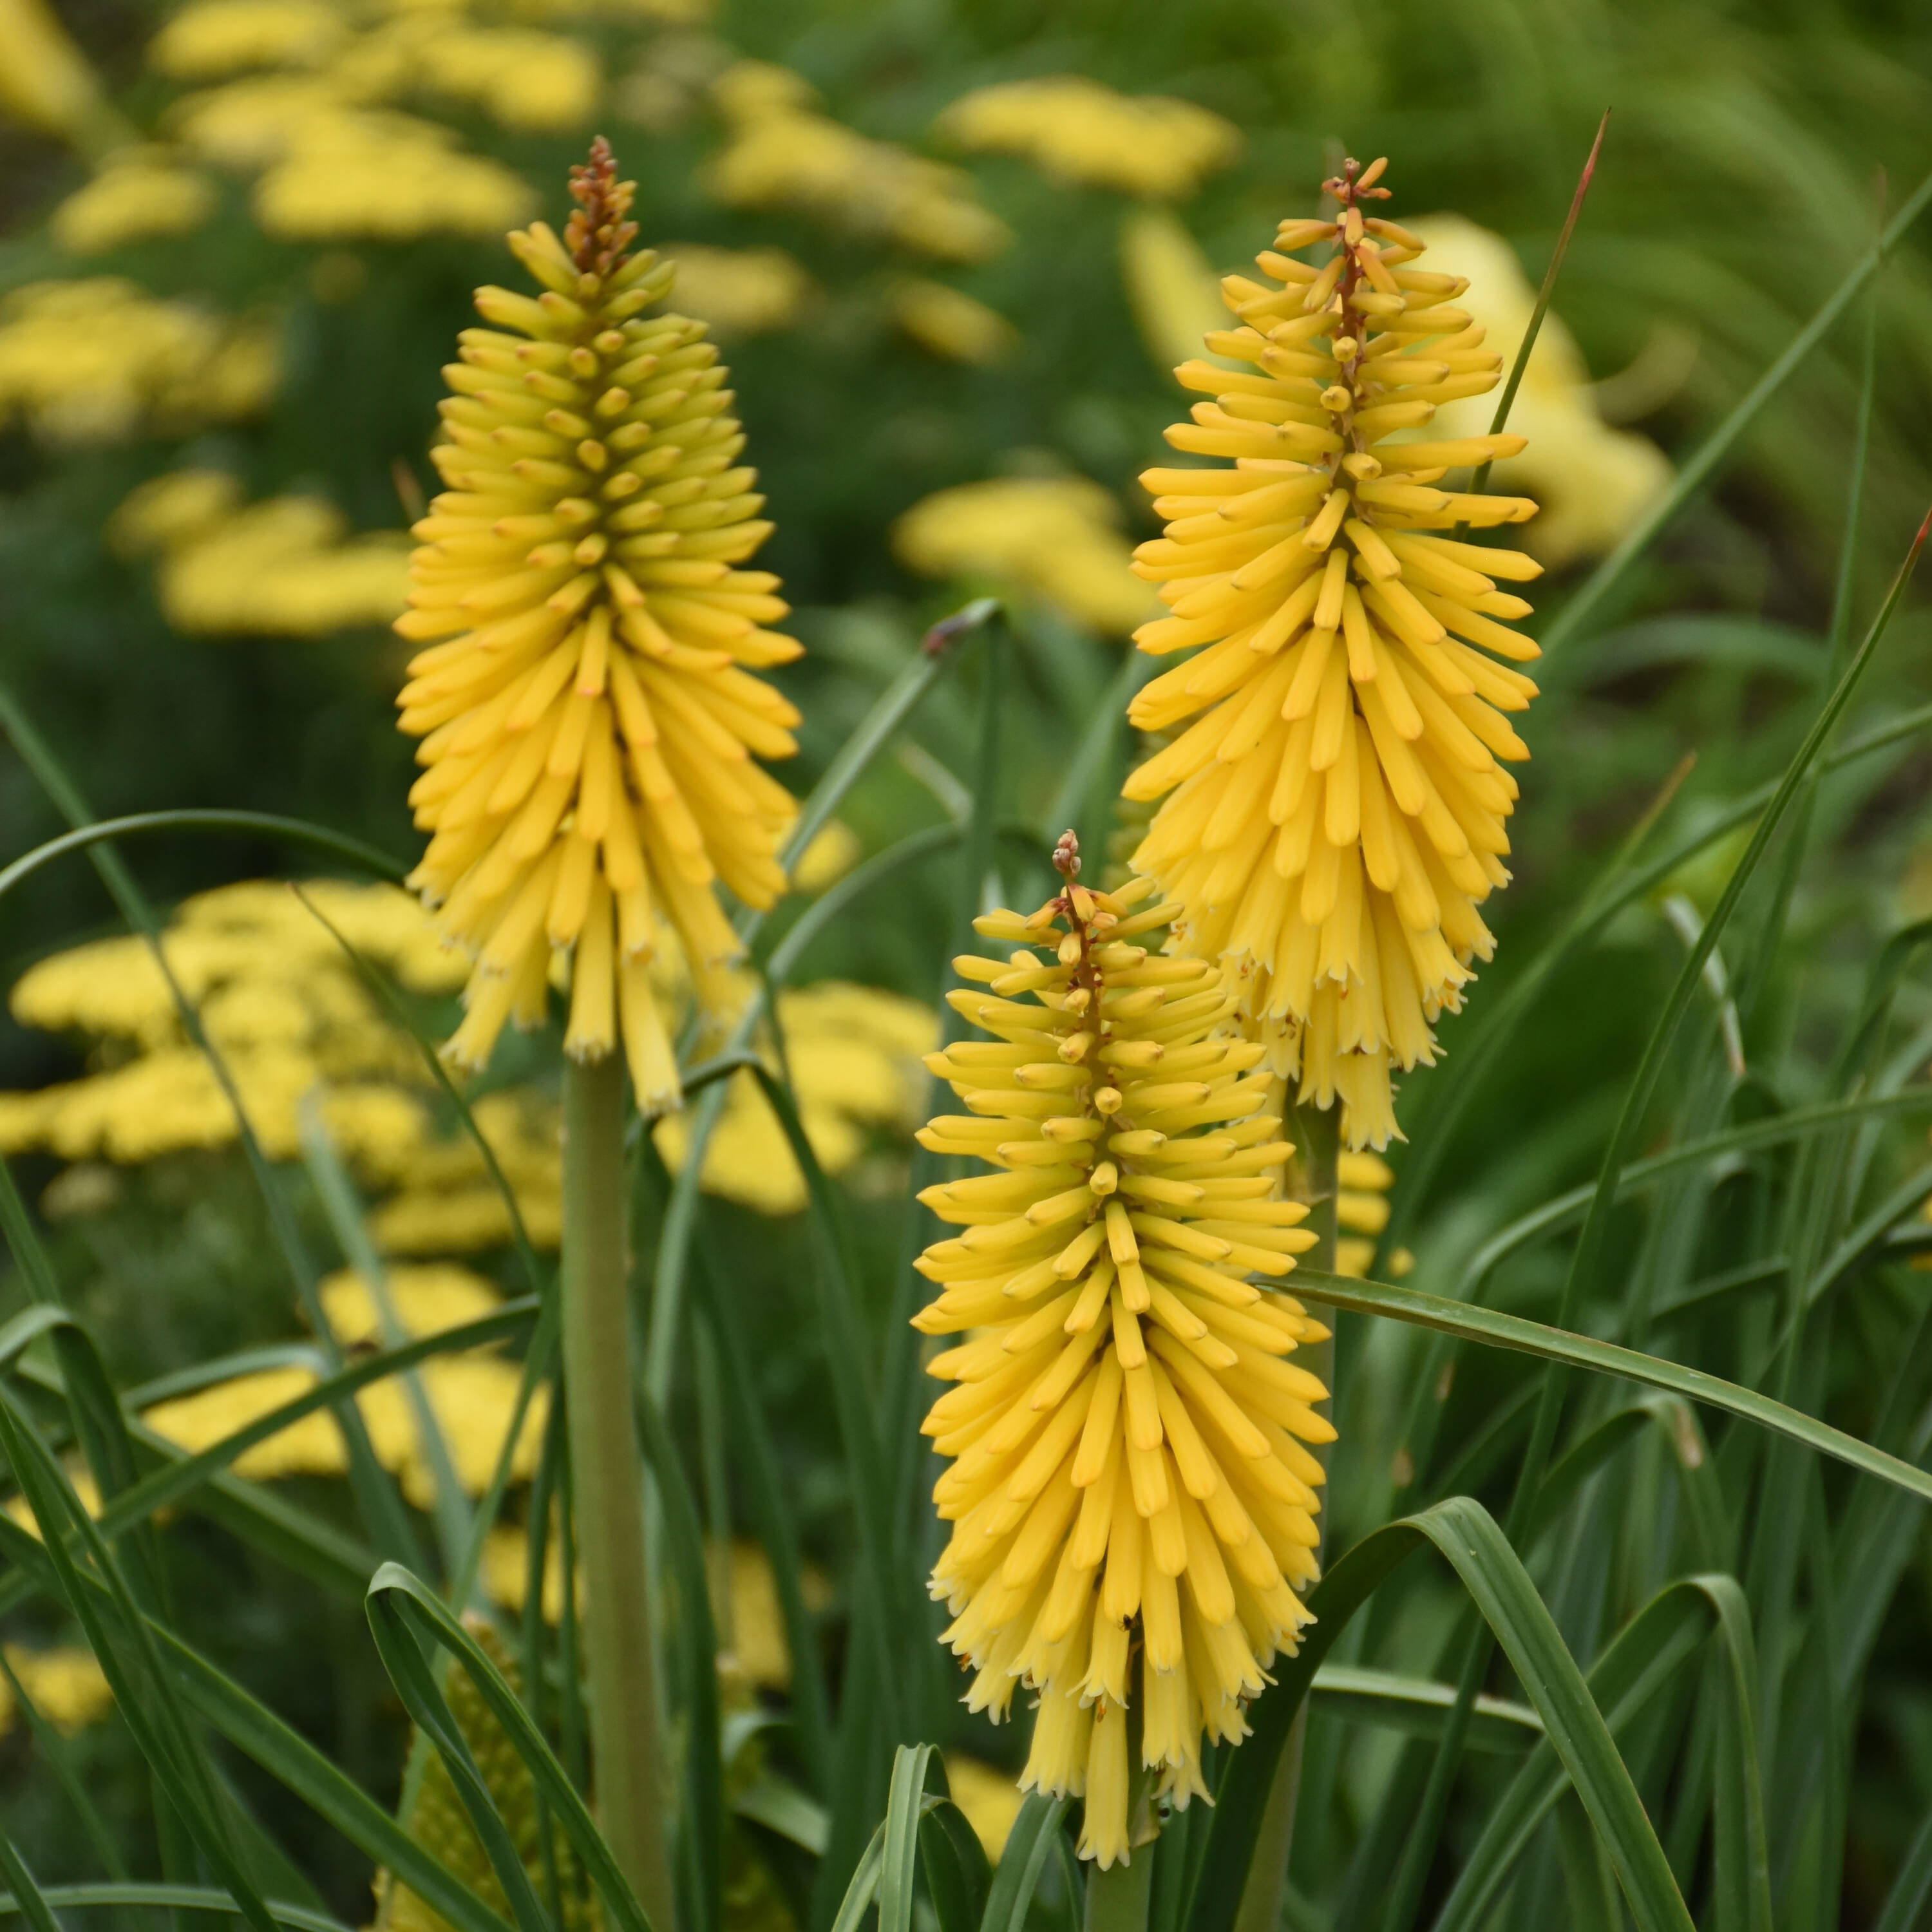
<point x="1334" y="815"/>
<point x="784" y="152"/>
<point x="140" y="194"/>
<point x="1057" y="538"/>
<point x="1132" y="1507"/>
<point x="1069" y="125"/>
<point x="588" y="720"/>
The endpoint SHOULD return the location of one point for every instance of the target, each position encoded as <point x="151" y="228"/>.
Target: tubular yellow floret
<point x="1132" y="1512"/>
<point x="1335" y="798"/>
<point x="589" y="721"/>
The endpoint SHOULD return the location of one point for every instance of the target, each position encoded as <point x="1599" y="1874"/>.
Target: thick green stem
<point x="1317" y="1135"/>
<point x="607" y="1474"/>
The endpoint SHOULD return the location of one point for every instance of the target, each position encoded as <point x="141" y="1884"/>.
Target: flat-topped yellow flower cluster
<point x="1338" y="805"/>
<point x="1131" y="1503"/>
<point x="589" y="725"/>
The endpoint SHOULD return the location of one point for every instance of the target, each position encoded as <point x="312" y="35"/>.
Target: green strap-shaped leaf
<point x="937" y="655"/>
<point x="1418" y="1704"/>
<point x="289" y="1758"/>
<point x="837" y="900"/>
<point x="854" y="1399"/>
<point x="250" y="825"/>
<point x="178" y="1898"/>
<point x="1644" y="1656"/>
<point x="402" y="1611"/>
<point x="1704" y="461"/>
<point x="757" y="1463"/>
<point x="293" y="1762"/>
<point x="861" y="1894"/>
<point x="938" y="652"/>
<point x="1911" y="1891"/>
<point x="703" y="1818"/>
<point x="343" y="1207"/>
<point x="1567" y="1209"/>
<point x="377" y="1495"/>
<point x="1463" y="1532"/>
<point x="27" y="1899"/>
<point x="1620" y="883"/>
<point x="1016" y="1878"/>
<point x="379" y="983"/>
<point x="1498" y="1330"/>
<point x="917" y="1769"/>
<point x="124" y="1648"/>
<point x="957" y="1875"/>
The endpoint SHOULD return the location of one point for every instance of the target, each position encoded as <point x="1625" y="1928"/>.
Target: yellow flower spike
<point x="1335" y="791"/>
<point x="1132" y="1507"/>
<point x="589" y="723"/>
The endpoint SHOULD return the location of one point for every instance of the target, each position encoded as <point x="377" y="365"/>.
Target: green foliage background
<point x="1738" y="188"/>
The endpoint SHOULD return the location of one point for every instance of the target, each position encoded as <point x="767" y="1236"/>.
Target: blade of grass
<point x="383" y="1513"/>
<point x="862" y="1893"/>
<point x="1911" y="1891"/>
<point x="937" y="652"/>
<point x="537" y="1276"/>
<point x="1566" y="1210"/>
<point x="52" y="1749"/>
<point x="855" y="1402"/>
<point x="703" y="1822"/>
<point x="811" y="1704"/>
<point x="837" y="900"/>
<point x="1462" y="1531"/>
<point x="27" y="1898"/>
<point x="288" y="1758"/>
<point x="95" y="1409"/>
<point x="296" y="831"/>
<point x="915" y="1768"/>
<point x="1016" y="1877"/>
<point x="1495" y="1330"/>
<point x="1586" y="1258"/>
<point x="1354" y="1694"/>
<point x="1503" y="1019"/>
<point x="937" y="655"/>
<point x="1703" y="464"/>
<point x="1480" y="481"/>
<point x="900" y="1378"/>
<point x="336" y="1192"/>
<point x="143" y="1694"/>
<point x="176" y="1897"/>
<point x="162" y="1487"/>
<point x="404" y="1612"/>
<point x="539" y="1359"/>
<point x="1634" y="1667"/>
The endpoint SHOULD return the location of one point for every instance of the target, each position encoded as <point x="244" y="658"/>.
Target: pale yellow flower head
<point x="1068" y="125"/>
<point x="784" y="152"/>
<point x="590" y="721"/>
<point x="96" y="360"/>
<point x="950" y="322"/>
<point x="1057" y="538"/>
<point x="45" y="80"/>
<point x="286" y="567"/>
<point x="140" y="194"/>
<point x="739" y="291"/>
<point x="1335" y="807"/>
<point x="1132" y="1507"/>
